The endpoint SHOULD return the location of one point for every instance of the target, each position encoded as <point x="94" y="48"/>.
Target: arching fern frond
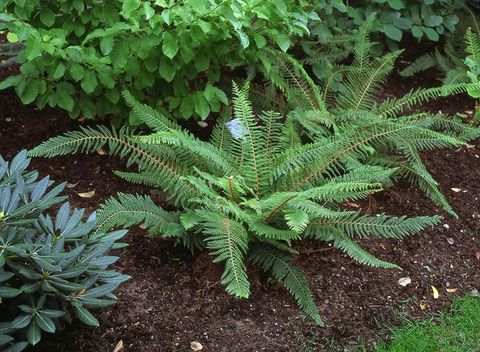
<point x="227" y="240"/>
<point x="282" y="268"/>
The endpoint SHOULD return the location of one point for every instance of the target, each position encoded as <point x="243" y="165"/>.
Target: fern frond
<point x="363" y="226"/>
<point x="356" y="252"/>
<point x="392" y="107"/>
<point x="192" y="145"/>
<point x="421" y="64"/>
<point x="227" y="240"/>
<point x="151" y="117"/>
<point x="281" y="265"/>
<point x="221" y="137"/>
<point x="292" y="79"/>
<point x="255" y="164"/>
<point x="362" y="86"/>
<point x="362" y="46"/>
<point x="122" y="143"/>
<point x="472" y="41"/>
<point x="131" y="209"/>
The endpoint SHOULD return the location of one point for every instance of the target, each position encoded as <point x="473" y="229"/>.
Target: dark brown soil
<point x="174" y="298"/>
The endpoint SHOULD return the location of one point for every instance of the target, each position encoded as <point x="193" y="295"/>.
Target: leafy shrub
<point x="394" y="132"/>
<point x="49" y="268"/>
<point x="80" y="54"/>
<point x="250" y="192"/>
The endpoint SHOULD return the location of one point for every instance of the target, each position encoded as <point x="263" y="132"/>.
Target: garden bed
<point x="174" y="298"/>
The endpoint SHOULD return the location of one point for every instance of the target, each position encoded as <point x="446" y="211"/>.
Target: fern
<point x="362" y="130"/>
<point x="257" y="187"/>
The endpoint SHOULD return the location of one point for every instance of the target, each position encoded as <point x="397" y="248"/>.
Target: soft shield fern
<point x="249" y="194"/>
<point x="350" y="125"/>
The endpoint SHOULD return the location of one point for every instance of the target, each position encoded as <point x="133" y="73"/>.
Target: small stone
<point x="196" y="346"/>
<point x="450" y="240"/>
<point x="404" y="281"/>
<point x="456" y="190"/>
<point x="447" y="226"/>
<point x="8" y="119"/>
<point x="202" y="124"/>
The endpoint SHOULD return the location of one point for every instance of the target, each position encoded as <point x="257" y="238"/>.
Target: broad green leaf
<point x="166" y="68"/>
<point x="170" y="45"/>
<point x="202" y="107"/>
<point x="130" y="5"/>
<point x="47" y="17"/>
<point x="392" y="32"/>
<point x="283" y="41"/>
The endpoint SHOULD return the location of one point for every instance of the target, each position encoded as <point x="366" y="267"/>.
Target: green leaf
<point x="187" y="106"/>
<point x="396" y="4"/>
<point x="130" y="5"/>
<point x="166" y="68"/>
<point x="106" y="45"/>
<point x="260" y="40"/>
<point x="85" y="316"/>
<point x="59" y="71"/>
<point x="169" y="45"/>
<point x="417" y="32"/>
<point x="197" y="5"/>
<point x="283" y="41"/>
<point x="431" y="34"/>
<point x="30" y="93"/>
<point x="4" y="339"/>
<point x="201" y="105"/>
<point x="392" y="32"/>
<point x="47" y="17"/>
<point x="34" y="333"/>
<point x="44" y="322"/>
<point x="76" y="71"/>
<point x="12" y="37"/>
<point x="89" y="82"/>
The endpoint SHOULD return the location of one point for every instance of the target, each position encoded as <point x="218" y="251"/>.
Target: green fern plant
<point x="459" y="60"/>
<point x="389" y="133"/>
<point x="247" y="195"/>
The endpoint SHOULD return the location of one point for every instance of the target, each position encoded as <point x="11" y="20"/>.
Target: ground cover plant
<point x="80" y="55"/>
<point x="51" y="269"/>
<point x="450" y="332"/>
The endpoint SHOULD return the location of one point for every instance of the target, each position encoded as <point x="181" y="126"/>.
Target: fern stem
<point x="232" y="192"/>
<point x="278" y="207"/>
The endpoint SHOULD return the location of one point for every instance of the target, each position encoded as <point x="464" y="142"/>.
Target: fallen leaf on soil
<point x="72" y="185"/>
<point x="353" y="205"/>
<point x="435" y="293"/>
<point x="142" y="226"/>
<point x="196" y="346"/>
<point x="450" y="240"/>
<point x="452" y="290"/>
<point x="86" y="194"/>
<point x="456" y="189"/>
<point x="423" y="305"/>
<point x="478" y="256"/>
<point x="101" y="151"/>
<point x="118" y="347"/>
<point x="8" y="119"/>
<point x="404" y="281"/>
